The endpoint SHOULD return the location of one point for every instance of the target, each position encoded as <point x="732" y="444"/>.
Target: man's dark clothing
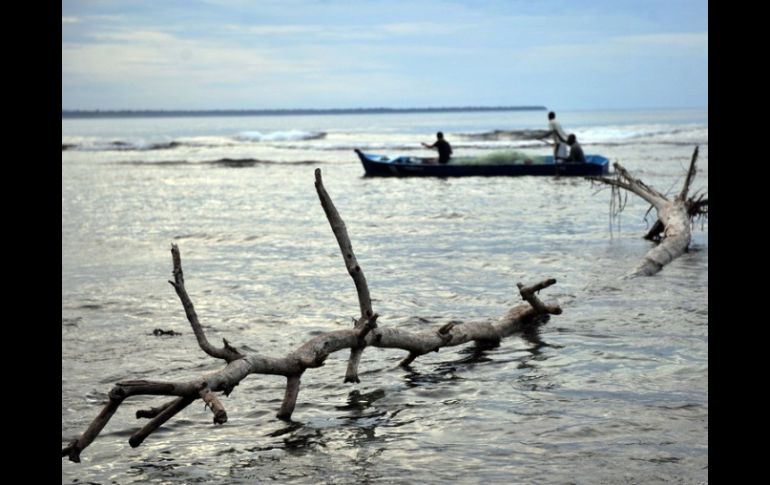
<point x="444" y="150"/>
<point x="576" y="154"/>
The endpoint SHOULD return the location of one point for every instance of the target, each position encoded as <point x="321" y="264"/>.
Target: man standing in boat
<point x="443" y="147"/>
<point x="559" y="138"/>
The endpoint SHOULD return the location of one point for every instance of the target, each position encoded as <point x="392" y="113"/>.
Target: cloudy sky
<point x="263" y="54"/>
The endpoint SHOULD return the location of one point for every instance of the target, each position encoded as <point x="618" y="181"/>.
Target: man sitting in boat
<point x="443" y="147"/>
<point x="576" y="154"/>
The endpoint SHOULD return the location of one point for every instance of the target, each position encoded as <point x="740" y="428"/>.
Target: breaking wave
<point x="128" y="146"/>
<point x="221" y="162"/>
<point x="291" y="135"/>
<point x="505" y="135"/>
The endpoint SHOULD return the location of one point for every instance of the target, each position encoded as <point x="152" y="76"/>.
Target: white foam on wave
<point x="390" y="146"/>
<point x="290" y="135"/>
<point x="634" y="133"/>
<point x="123" y="145"/>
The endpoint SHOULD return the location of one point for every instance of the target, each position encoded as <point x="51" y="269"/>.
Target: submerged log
<point x="312" y="354"/>
<point x="672" y="229"/>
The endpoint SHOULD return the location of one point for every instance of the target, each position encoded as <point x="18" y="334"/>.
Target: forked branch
<point x="227" y="352"/>
<point x="367" y="318"/>
<point x="672" y="227"/>
<point x="311" y="354"/>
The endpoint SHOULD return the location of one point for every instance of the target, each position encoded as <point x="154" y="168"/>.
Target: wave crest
<point x="290" y="135"/>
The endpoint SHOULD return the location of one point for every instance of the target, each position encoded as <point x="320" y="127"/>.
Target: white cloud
<point x="342" y="55"/>
<point x="624" y="48"/>
<point x="146" y="56"/>
<point x="698" y="39"/>
<point x="352" y="32"/>
<point x="135" y="37"/>
<point x="274" y="29"/>
<point x="421" y="28"/>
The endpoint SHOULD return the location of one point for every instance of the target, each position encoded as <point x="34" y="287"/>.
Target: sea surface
<point x="614" y="390"/>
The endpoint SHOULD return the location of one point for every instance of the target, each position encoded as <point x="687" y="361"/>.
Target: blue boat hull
<point x="381" y="166"/>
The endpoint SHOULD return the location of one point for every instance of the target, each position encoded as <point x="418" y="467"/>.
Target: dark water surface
<point x="614" y="390"/>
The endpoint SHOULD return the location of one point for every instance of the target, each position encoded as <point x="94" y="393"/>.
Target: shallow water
<point x="614" y="390"/>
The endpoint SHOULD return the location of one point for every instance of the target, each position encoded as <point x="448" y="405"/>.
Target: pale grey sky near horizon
<point x="272" y="54"/>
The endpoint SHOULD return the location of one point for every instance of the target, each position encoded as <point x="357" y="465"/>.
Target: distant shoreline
<point x="283" y="112"/>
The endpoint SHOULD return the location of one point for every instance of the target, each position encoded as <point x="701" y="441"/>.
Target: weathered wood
<point x="76" y="446"/>
<point x="311" y="354"/>
<point x="227" y="353"/>
<point x="354" y="270"/>
<point x="152" y="412"/>
<point x="673" y="226"/>
<point x="155" y="423"/>
<point x="528" y="294"/>
<point x="690" y="176"/>
<point x="289" y="398"/>
<point x="674" y="242"/>
<point x="213" y="403"/>
<point x="346" y="247"/>
<point x="656" y="231"/>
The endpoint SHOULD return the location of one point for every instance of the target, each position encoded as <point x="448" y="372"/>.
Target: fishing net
<point x="506" y="157"/>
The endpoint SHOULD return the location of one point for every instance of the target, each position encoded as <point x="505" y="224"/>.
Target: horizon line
<point x="75" y="113"/>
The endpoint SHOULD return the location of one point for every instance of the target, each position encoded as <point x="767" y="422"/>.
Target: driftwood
<point x="364" y="333"/>
<point x="672" y="229"/>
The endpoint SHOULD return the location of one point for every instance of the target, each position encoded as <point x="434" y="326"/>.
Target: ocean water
<point x="614" y="390"/>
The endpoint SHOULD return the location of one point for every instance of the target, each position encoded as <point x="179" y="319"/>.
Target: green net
<point x="508" y="157"/>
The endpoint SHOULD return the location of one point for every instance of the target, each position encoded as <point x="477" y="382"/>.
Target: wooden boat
<point x="406" y="166"/>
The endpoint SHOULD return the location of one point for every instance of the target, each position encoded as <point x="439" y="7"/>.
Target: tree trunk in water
<point x="313" y="353"/>
<point x="674" y="216"/>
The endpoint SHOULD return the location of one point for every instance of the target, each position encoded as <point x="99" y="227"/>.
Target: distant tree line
<point x="272" y="112"/>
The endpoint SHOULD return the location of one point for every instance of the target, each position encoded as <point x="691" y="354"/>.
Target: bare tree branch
<point x="354" y="270"/>
<point x="213" y="403"/>
<point x="311" y="354"/>
<point x="227" y="353"/>
<point x="289" y="398"/>
<point x="672" y="227"/>
<point x="152" y="412"/>
<point x="690" y="176"/>
<point x="625" y="180"/>
<point x="169" y="412"/>
<point x="528" y="294"/>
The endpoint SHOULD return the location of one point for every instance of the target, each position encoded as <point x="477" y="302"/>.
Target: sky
<point x="326" y="54"/>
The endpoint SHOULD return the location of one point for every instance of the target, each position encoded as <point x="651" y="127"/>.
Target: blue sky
<point x="265" y="54"/>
